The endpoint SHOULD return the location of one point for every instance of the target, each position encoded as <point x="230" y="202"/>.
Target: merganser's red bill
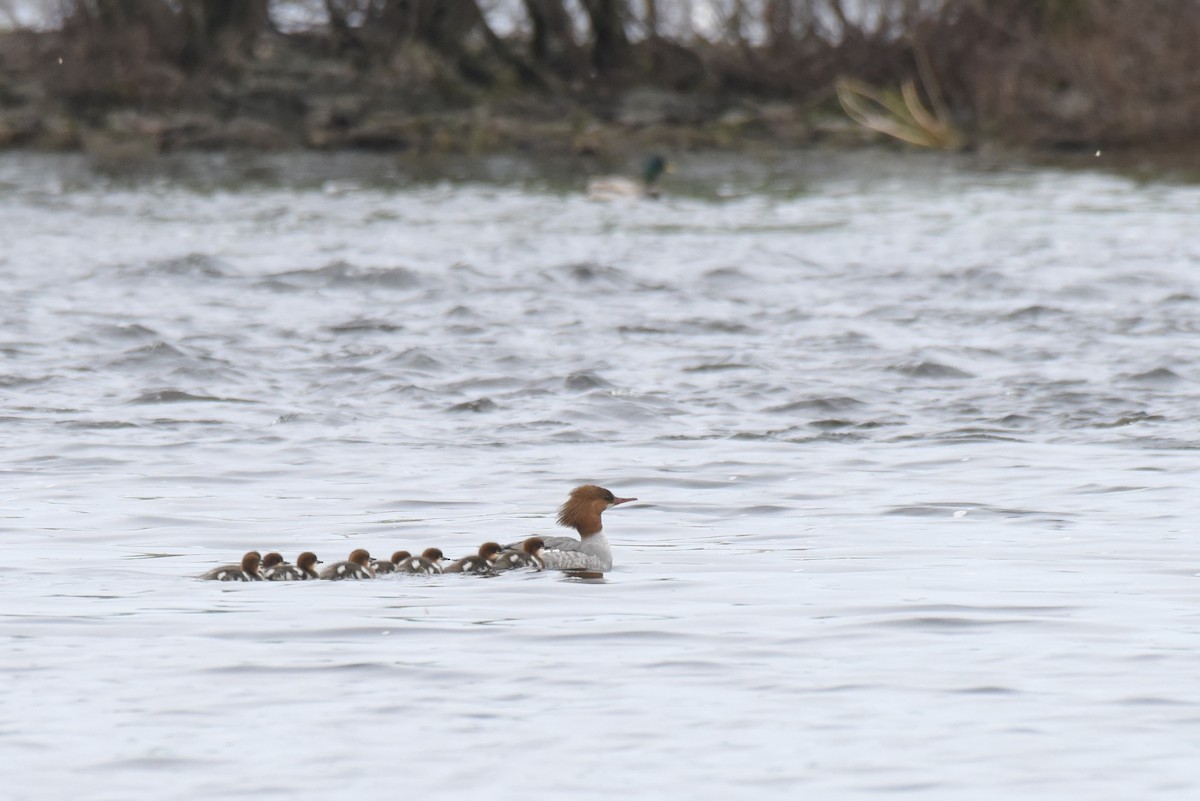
<point x="619" y="501"/>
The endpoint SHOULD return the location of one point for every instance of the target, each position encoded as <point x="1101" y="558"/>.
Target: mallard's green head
<point x="654" y="167"/>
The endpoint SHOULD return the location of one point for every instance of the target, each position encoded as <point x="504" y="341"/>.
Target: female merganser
<point x="303" y="570"/>
<point x="427" y="564"/>
<point x="527" y="556"/>
<point x="480" y="563"/>
<point x="590" y="553"/>
<point x="358" y="566"/>
<point x="248" y="570"/>
<point x="390" y="565"/>
<point x="618" y="187"/>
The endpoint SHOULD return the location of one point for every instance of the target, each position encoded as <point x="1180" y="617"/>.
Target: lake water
<point x="915" y="445"/>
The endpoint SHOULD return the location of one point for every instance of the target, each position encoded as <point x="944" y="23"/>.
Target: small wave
<point x="463" y="313"/>
<point x="1129" y="419"/>
<point x="831" y="424"/>
<point x="341" y="274"/>
<point x="726" y="275"/>
<point x="150" y="764"/>
<point x="830" y="435"/>
<point x="358" y="326"/>
<point x="163" y="358"/>
<point x="1159" y="376"/>
<point x="708" y="325"/>
<point x="961" y="510"/>
<point x="928" y="369"/>
<point x="486" y="383"/>
<point x="976" y="434"/>
<point x="682" y="482"/>
<point x="574" y="436"/>
<point x="754" y="436"/>
<point x="590" y="273"/>
<point x="583" y="381"/>
<point x="950" y="623"/>
<point x="641" y="329"/>
<point x="1101" y="489"/>
<point x="416" y="359"/>
<point x="276" y="285"/>
<point x="132" y="331"/>
<point x="100" y="424"/>
<point x="8" y="381"/>
<point x="1035" y="313"/>
<point x="827" y="404"/>
<point x="925" y="510"/>
<point x="154" y="352"/>
<point x="478" y="405"/>
<point x="715" y="367"/>
<point x="178" y="396"/>
<point x="766" y="509"/>
<point x="1155" y="700"/>
<point x="295" y="417"/>
<point x="198" y="265"/>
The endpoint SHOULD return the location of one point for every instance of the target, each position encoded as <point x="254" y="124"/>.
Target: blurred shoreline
<point x="285" y="99"/>
<point x="127" y="81"/>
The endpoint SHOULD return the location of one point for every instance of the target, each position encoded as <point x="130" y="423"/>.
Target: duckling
<point x="618" y="187"/>
<point x="527" y="556"/>
<point x="390" y="565"/>
<point x="248" y="570"/>
<point x="479" y="563"/>
<point x="357" y="566"/>
<point x="427" y="564"/>
<point x="280" y="570"/>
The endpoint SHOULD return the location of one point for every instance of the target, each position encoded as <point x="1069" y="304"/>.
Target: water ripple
<point x="915" y="446"/>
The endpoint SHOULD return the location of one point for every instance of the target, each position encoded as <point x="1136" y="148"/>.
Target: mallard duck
<point x="617" y="187"/>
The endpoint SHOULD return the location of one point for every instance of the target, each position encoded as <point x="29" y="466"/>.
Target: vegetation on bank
<point x="587" y="75"/>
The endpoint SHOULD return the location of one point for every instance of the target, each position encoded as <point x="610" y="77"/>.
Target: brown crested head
<point x="433" y="554"/>
<point x="306" y="560"/>
<point x="532" y="545"/>
<point x="360" y="556"/>
<point x="584" y="506"/>
<point x="251" y="561"/>
<point x="489" y="550"/>
<point x="272" y="559"/>
<point x="400" y="556"/>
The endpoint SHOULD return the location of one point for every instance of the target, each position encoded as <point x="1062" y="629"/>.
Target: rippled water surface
<point x="916" y="448"/>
